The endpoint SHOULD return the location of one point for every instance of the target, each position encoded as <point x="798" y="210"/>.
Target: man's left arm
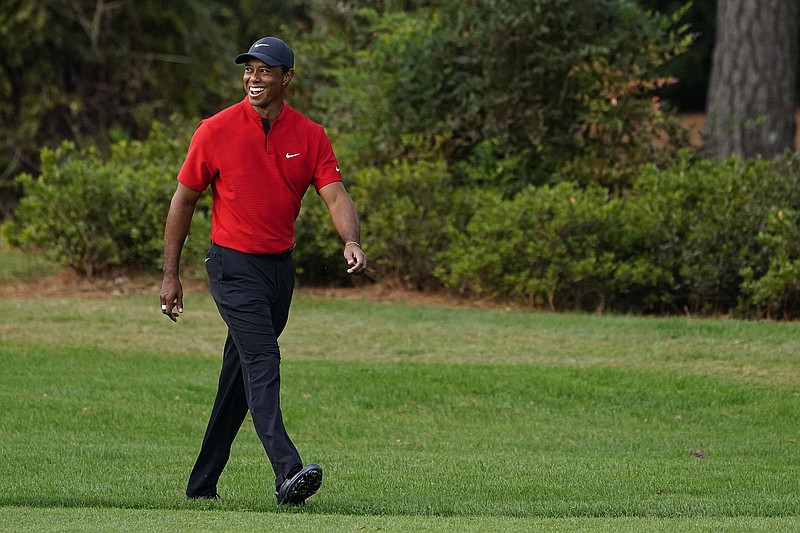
<point x="345" y="220"/>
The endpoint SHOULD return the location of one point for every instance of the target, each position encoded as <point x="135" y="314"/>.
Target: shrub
<point x="404" y="208"/>
<point x="776" y="292"/>
<point x="549" y="246"/>
<point x="771" y="278"/>
<point x="94" y="212"/>
<point x="318" y="255"/>
<point x="701" y="236"/>
<point x="409" y="204"/>
<point x="729" y="206"/>
<point x="654" y="223"/>
<point x="563" y="88"/>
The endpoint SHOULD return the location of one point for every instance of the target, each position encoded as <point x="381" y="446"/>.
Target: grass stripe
<point x="408" y="438"/>
<point x="152" y="520"/>
<point x="441" y="419"/>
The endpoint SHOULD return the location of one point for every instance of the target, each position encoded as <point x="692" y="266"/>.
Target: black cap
<point x="271" y="50"/>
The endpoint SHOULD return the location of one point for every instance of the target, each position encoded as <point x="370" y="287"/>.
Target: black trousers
<point x="253" y="294"/>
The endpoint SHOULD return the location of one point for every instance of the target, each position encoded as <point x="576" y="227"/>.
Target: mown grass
<point x="425" y="419"/>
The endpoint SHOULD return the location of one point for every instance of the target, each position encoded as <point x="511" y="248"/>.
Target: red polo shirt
<point x="257" y="180"/>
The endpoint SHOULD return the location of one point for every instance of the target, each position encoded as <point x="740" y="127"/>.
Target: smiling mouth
<point x="255" y="91"/>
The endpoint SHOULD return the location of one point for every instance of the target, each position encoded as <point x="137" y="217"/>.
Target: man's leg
<point x="253" y="294"/>
<point x="260" y="369"/>
<point x="227" y="415"/>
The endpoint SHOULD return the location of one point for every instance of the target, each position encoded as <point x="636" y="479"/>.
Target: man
<point x="259" y="157"/>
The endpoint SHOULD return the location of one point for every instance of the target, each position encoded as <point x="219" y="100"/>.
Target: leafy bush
<point x="404" y="208"/>
<point x="93" y="212"/>
<point x="776" y="292"/>
<point x="702" y="236"/>
<point x="560" y="89"/>
<point x="654" y="222"/>
<point x="549" y="246"/>
<point x="318" y="254"/>
<point x="408" y="206"/>
<point x="771" y="278"/>
<point x="722" y="207"/>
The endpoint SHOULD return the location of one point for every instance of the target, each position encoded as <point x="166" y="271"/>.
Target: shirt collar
<point x="253" y="114"/>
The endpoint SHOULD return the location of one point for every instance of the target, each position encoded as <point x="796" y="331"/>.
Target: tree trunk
<point x="751" y="95"/>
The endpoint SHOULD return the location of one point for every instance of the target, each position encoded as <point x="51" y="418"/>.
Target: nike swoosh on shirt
<point x="289" y="156"/>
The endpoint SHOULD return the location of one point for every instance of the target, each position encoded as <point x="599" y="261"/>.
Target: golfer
<point x="259" y="156"/>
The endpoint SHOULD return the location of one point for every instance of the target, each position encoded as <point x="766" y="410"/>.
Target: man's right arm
<point x="181" y="209"/>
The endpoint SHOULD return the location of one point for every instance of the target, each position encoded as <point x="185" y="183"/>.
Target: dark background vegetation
<point x="103" y="70"/>
<point x="526" y="151"/>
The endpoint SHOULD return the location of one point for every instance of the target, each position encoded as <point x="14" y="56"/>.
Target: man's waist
<point x="277" y="255"/>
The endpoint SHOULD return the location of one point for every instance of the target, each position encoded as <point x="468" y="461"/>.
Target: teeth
<point x="256" y="90"/>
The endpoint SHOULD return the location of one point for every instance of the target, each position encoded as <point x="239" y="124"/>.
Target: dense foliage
<point x="95" y="213"/>
<point x="514" y="93"/>
<point x="96" y="71"/>
<point x="501" y="149"/>
<point x="698" y="237"/>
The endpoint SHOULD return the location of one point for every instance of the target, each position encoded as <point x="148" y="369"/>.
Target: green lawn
<point x="425" y="419"/>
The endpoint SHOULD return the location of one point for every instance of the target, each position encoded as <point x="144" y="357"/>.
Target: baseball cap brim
<point x="266" y="58"/>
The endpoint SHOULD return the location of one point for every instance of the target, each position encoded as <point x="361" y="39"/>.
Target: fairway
<point x="425" y="418"/>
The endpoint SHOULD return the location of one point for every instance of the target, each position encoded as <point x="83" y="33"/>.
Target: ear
<point x="287" y="76"/>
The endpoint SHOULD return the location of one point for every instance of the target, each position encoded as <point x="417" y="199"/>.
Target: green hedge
<point x="771" y="287"/>
<point x="94" y="211"/>
<point x="700" y="236"/>
<point x="545" y="247"/>
<point x="404" y="210"/>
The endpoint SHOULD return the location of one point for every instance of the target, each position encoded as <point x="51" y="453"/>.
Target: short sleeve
<point x="327" y="167"/>
<point x="199" y="169"/>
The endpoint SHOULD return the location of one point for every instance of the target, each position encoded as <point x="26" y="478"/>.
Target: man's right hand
<point x="179" y="218"/>
<point x="172" y="297"/>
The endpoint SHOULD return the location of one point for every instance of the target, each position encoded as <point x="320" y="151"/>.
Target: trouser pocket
<point x="214" y="264"/>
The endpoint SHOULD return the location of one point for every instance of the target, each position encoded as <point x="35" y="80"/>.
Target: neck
<point x="269" y="112"/>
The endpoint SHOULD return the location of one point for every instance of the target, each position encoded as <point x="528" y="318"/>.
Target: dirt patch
<point x="67" y="284"/>
<point x="391" y="294"/>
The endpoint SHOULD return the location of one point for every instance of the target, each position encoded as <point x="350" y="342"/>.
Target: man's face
<point x="263" y="84"/>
